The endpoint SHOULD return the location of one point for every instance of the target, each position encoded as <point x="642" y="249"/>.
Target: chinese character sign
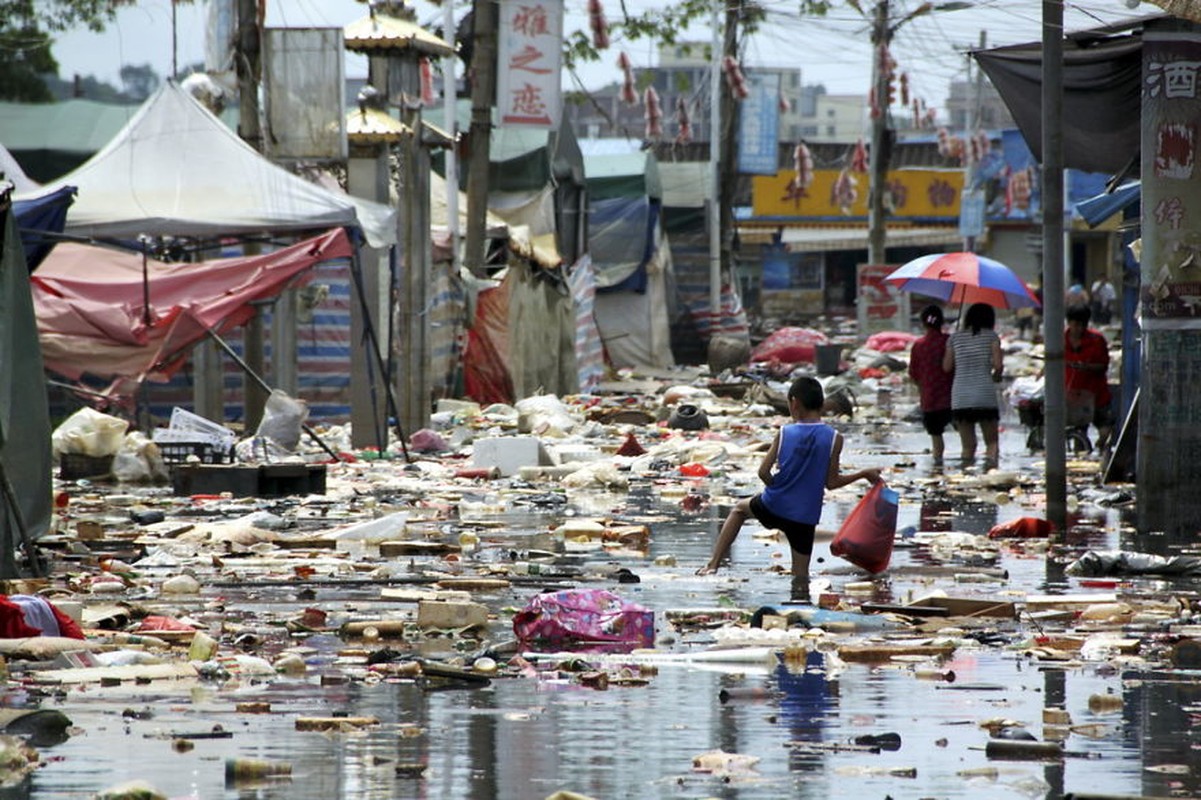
<point x="529" y="56"/>
<point x="1171" y="191"/>
<point x="758" y="126"/>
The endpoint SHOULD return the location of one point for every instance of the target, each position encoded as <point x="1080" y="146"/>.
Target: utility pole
<point x="485" y="16"/>
<point x="714" y="215"/>
<point x="1053" y="263"/>
<point x="249" y="68"/>
<point x="882" y="134"/>
<point x="881" y="138"/>
<point x="972" y="197"/>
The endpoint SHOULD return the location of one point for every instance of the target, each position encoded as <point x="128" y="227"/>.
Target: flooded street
<point x="809" y="721"/>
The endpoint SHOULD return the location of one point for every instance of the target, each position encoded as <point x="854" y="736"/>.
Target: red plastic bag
<point x="1022" y="528"/>
<point x="865" y="538"/>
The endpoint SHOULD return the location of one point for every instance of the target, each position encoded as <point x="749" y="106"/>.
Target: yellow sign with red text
<point x="914" y="193"/>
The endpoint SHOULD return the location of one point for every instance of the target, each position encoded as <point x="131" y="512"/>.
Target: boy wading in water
<point x="803" y="461"/>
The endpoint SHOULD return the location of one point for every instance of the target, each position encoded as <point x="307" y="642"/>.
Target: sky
<point x="834" y="51"/>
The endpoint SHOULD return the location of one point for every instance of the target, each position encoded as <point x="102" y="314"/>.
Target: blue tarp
<point x="39" y="216"/>
<point x="1101" y="207"/>
<point x="621" y="242"/>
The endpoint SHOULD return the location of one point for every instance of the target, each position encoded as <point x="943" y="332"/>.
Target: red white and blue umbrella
<point x="964" y="278"/>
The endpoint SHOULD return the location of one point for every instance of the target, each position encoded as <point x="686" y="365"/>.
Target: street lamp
<point x="881" y="135"/>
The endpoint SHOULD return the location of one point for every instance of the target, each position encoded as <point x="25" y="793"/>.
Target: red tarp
<point x="790" y="346"/>
<point x="90" y="304"/>
<point x="486" y="361"/>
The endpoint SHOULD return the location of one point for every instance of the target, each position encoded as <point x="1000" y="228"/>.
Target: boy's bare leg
<point x="800" y="577"/>
<point x="937" y="446"/>
<point x="738" y="515"/>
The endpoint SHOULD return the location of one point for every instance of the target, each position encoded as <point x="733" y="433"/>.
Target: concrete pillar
<point x="368" y="177"/>
<point x="1169" y="440"/>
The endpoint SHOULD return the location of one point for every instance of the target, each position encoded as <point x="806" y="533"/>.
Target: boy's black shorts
<point x="800" y="534"/>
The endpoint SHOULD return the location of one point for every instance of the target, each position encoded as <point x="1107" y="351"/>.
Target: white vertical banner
<point x="529" y="60"/>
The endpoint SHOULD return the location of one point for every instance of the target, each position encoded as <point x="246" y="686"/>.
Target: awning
<point x="1102" y="87"/>
<point x="818" y="239"/>
<point x="1096" y="210"/>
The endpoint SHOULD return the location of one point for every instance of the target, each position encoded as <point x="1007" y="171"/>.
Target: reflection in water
<point x="1160" y="716"/>
<point x="936" y="515"/>
<point x="524" y="738"/>
<point x="806" y="697"/>
<point x="975" y="517"/>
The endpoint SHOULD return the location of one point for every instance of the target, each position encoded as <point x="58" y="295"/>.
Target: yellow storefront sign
<point x="915" y="193"/>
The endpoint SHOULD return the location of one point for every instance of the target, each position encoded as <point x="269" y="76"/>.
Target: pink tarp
<point x="90" y="304"/>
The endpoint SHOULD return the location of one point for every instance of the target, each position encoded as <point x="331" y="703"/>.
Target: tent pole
<point x="10" y="497"/>
<point x="369" y="331"/>
<point x="266" y="388"/>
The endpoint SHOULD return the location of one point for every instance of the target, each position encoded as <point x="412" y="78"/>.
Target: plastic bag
<point x="584" y="616"/>
<point x="1022" y="528"/>
<point x="283" y="419"/>
<point x="865" y="538"/>
<point x="89" y="432"/>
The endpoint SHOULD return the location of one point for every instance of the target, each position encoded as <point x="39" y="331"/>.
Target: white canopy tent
<point x="177" y="170"/>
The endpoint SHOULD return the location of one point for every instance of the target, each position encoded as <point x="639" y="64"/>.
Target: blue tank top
<point x="802" y="463"/>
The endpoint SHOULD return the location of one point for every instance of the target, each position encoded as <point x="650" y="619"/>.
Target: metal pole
<point x="715" y="171"/>
<point x="878" y="175"/>
<point x="1053" y="262"/>
<point x="972" y="121"/>
<point x="450" y="121"/>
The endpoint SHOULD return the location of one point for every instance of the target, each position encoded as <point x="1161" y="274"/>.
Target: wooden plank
<point x="1044" y="601"/>
<point x="913" y="611"/>
<point x="415" y="548"/>
<point x="883" y="652"/>
<point x="972" y="607"/>
<point x="153" y="672"/>
<point x="334" y="723"/>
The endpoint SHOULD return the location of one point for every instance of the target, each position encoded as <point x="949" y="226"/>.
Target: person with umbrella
<point x="934" y="383"/>
<point x="974" y="357"/>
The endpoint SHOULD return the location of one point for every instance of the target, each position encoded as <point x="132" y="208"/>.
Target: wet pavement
<point x="773" y="713"/>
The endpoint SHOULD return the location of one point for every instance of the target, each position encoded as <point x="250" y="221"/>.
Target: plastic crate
<point x="77" y="466"/>
<point x="205" y="452"/>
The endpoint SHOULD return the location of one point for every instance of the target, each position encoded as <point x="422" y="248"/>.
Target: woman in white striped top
<point x="974" y="355"/>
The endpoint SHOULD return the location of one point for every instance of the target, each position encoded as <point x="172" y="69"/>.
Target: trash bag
<point x="1022" y="528"/>
<point x="865" y="538"/>
<point x="1121" y="562"/>
<point x="89" y="432"/>
<point x="283" y="419"/>
<point x="584" y="616"/>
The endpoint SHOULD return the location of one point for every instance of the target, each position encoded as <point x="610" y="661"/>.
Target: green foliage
<point x="24" y="57"/>
<point x="140" y="81"/>
<point x="58" y="15"/>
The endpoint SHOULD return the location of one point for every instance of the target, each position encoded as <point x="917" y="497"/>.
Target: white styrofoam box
<point x="508" y="453"/>
<point x="574" y="453"/>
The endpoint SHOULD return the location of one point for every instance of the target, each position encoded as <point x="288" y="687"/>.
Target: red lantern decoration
<point x="598" y="24"/>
